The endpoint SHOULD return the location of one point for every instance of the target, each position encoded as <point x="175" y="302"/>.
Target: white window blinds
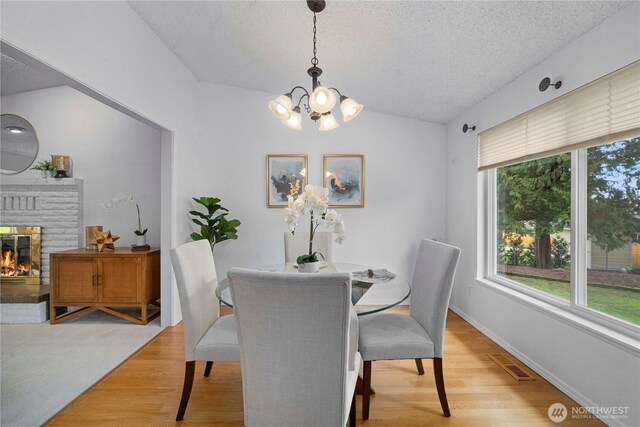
<point x="603" y="111"/>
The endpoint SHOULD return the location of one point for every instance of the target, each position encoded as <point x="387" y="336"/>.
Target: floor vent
<point x="513" y="369"/>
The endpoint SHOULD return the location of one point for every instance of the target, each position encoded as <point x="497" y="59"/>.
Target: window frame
<point x="576" y="305"/>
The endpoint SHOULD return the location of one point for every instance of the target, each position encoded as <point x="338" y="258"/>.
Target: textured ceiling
<point x="16" y="77"/>
<point x="427" y="60"/>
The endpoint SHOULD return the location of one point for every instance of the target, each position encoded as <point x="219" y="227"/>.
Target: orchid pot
<point x="309" y="267"/>
<point x="141" y="239"/>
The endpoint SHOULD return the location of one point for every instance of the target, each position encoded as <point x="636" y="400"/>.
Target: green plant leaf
<point x="214" y="227"/>
<point x="303" y="259"/>
<point x="234" y="223"/>
<point x="196" y="236"/>
<point x="200" y="214"/>
<point x="206" y="233"/>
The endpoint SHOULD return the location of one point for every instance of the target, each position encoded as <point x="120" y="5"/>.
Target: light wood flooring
<point x="146" y="389"/>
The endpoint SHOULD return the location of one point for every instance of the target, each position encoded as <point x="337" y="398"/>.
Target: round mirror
<point x="18" y="144"/>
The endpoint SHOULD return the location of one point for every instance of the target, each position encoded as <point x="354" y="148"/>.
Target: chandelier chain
<point x="314" y="60"/>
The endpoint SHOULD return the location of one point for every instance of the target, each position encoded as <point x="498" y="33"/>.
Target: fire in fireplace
<point x="21" y="250"/>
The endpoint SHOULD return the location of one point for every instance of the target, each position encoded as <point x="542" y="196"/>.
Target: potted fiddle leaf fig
<point x="214" y="226"/>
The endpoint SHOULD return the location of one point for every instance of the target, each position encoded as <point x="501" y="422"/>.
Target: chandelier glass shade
<point x="320" y="101"/>
<point x="328" y="122"/>
<point x="349" y="108"/>
<point x="295" y="119"/>
<point x="281" y="106"/>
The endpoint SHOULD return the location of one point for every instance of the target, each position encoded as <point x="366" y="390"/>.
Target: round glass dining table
<point x="367" y="298"/>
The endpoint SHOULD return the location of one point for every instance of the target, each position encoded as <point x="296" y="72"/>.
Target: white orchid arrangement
<point x="315" y="202"/>
<point x="125" y="198"/>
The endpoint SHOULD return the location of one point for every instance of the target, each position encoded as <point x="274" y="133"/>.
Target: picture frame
<point x="343" y="176"/>
<point x="287" y="174"/>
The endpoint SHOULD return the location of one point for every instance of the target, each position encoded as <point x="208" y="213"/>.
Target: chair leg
<point x="207" y="369"/>
<point x="189" y="372"/>
<point x="419" y="366"/>
<point x="352" y="412"/>
<point x="366" y="386"/>
<point x="437" y="372"/>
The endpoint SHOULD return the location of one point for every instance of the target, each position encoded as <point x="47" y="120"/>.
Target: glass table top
<point x="367" y="298"/>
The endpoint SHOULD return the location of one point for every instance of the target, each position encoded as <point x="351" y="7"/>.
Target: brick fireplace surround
<point x="56" y="205"/>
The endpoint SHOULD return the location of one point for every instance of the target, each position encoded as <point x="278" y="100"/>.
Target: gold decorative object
<point x="62" y="165"/>
<point x="90" y="232"/>
<point x="104" y="239"/>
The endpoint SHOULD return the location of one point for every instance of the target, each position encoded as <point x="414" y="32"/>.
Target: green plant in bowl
<point x="43" y="165"/>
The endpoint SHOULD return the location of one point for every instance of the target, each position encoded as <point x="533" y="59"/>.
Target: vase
<point x="141" y="240"/>
<point x="90" y="236"/>
<point x="309" y="267"/>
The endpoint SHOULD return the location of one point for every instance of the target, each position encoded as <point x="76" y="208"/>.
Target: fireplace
<point x="21" y="251"/>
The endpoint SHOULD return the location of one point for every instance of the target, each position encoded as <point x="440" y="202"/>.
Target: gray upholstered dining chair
<point x="298" y="244"/>
<point x="298" y="338"/>
<point x="207" y="335"/>
<point x="420" y="334"/>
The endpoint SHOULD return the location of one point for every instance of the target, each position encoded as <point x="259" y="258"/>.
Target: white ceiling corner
<point x="424" y="60"/>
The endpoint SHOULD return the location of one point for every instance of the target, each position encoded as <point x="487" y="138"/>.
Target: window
<point x="563" y="201"/>
<point x="613" y="230"/>
<point x="533" y="227"/>
<point x="533" y="224"/>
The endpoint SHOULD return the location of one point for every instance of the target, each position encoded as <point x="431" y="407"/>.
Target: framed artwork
<point x="344" y="177"/>
<point x="286" y="175"/>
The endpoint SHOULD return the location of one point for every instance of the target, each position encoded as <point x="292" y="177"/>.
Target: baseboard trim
<point x="555" y="381"/>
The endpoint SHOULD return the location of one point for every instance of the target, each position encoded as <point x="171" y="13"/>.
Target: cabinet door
<point x="120" y="279"/>
<point x="75" y="280"/>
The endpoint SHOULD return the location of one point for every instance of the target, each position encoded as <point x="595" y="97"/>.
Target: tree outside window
<point x="533" y="226"/>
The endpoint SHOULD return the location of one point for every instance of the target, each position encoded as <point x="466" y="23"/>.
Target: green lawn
<point x="617" y="302"/>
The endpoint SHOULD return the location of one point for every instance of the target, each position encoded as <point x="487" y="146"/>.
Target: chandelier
<point x="321" y="100"/>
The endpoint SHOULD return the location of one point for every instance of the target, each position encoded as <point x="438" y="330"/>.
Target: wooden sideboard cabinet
<point x="91" y="280"/>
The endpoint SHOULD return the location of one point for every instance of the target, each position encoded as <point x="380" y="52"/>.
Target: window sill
<point x="618" y="339"/>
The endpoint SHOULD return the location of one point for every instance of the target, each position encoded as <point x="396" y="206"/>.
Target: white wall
<point x="111" y="152"/>
<point x="404" y="179"/>
<point x="589" y="369"/>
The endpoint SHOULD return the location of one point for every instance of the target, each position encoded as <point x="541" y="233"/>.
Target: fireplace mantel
<point x="36" y="180"/>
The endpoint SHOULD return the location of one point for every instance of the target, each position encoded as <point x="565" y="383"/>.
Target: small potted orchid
<point x="141" y="235"/>
<point x="315" y="202"/>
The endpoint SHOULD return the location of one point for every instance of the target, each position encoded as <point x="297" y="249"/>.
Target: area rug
<point x="44" y="367"/>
